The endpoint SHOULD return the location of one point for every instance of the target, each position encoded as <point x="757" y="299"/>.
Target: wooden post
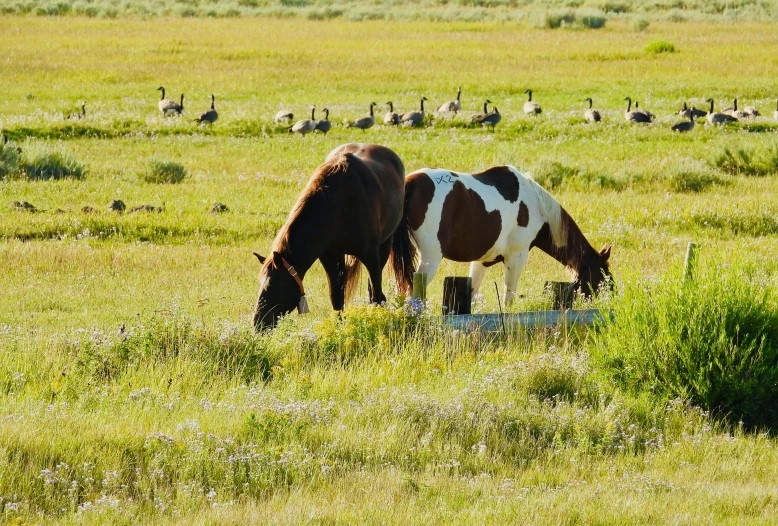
<point x="457" y="295"/>
<point x="562" y="293"/>
<point x="692" y="249"/>
<point x="419" y="286"/>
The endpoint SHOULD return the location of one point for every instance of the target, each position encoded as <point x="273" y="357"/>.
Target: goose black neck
<point x="163" y="94"/>
<point x="459" y="93"/>
<point x="486" y="107"/>
<point x="313" y="112"/>
<point x="422" y="104"/>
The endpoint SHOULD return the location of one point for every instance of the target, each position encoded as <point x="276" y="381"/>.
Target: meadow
<point x="134" y="390"/>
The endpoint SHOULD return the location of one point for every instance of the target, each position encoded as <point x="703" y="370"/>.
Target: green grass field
<point x="184" y="415"/>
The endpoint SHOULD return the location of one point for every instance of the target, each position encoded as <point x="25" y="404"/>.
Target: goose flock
<point x="489" y="118"/>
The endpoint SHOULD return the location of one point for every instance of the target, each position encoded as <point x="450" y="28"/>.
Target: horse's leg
<point x="514" y="264"/>
<point x="477" y="273"/>
<point x="383" y="257"/>
<point x="335" y="268"/>
<point x="372" y="261"/>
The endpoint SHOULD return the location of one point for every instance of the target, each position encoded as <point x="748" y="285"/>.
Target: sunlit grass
<point x="134" y="390"/>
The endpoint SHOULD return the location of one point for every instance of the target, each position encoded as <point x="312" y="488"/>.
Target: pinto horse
<point x="495" y="216"/>
<point x="347" y="214"/>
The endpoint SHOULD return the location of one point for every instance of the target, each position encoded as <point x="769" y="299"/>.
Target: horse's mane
<point x="316" y="188"/>
<point x="552" y="211"/>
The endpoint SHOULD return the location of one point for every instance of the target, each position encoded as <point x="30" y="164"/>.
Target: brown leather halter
<point x="292" y="272"/>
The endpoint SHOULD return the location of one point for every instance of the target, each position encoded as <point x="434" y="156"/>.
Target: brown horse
<point x="496" y="216"/>
<point x="347" y="214"/>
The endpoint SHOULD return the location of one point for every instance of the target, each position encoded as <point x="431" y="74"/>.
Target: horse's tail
<point x="403" y="253"/>
<point x="351" y="277"/>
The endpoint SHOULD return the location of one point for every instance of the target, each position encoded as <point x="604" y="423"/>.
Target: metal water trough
<point x="526" y="320"/>
<point x="457" y="294"/>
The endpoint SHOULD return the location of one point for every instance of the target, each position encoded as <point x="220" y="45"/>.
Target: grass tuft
<point x="692" y="180"/>
<point x="9" y="160"/>
<point x="41" y="161"/>
<point x="161" y="172"/>
<point x="659" y="46"/>
<point x="745" y="161"/>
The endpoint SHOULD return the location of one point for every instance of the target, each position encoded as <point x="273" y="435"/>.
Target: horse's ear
<point x="605" y="253"/>
<point x="260" y="258"/>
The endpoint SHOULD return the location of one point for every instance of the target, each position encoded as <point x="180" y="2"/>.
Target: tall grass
<point x="712" y="341"/>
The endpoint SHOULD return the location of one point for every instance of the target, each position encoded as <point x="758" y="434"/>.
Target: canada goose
<point x="686" y="111"/>
<point x="79" y="114"/>
<point x="492" y="119"/>
<point x="635" y="115"/>
<point x="305" y="126"/>
<point x="750" y="112"/>
<point x="479" y="118"/>
<point x="775" y="113"/>
<point x="592" y="115"/>
<point x="718" y="118"/>
<point x="391" y="117"/>
<point x="365" y="122"/>
<point x="452" y="106"/>
<point x="325" y="125"/>
<point x="169" y="107"/>
<point x="646" y="112"/>
<point x="283" y="117"/>
<point x="414" y="118"/>
<point x="531" y="108"/>
<point x="685" y="126"/>
<point x="211" y="115"/>
<point x="732" y="111"/>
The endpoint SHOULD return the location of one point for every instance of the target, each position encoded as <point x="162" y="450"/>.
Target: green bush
<point x="712" y="341"/>
<point x="41" y="161"/>
<point x="165" y="172"/>
<point x="659" y="46"/>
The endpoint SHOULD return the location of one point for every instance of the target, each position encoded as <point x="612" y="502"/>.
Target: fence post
<point x="457" y="295"/>
<point x="692" y="250"/>
<point x="419" y="286"/>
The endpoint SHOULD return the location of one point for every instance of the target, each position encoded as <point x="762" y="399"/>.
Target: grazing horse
<point x="495" y="216"/>
<point x="347" y="214"/>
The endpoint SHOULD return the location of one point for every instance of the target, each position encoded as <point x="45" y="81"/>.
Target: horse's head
<point x="593" y="273"/>
<point x="279" y="292"/>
